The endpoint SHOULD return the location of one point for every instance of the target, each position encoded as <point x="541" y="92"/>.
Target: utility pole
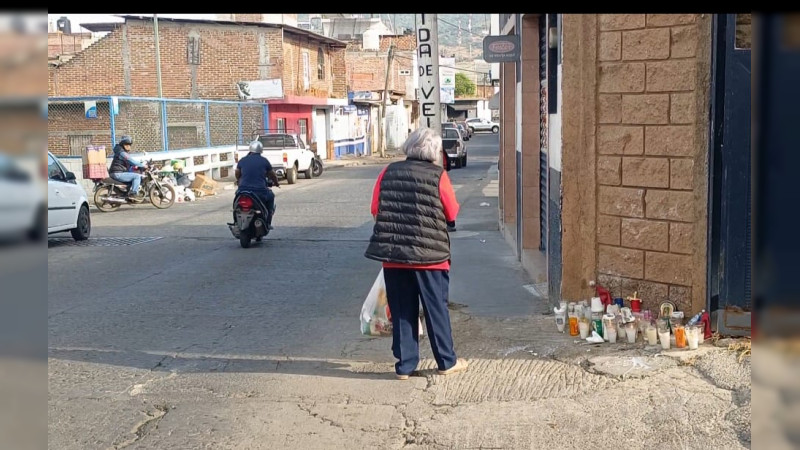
<point x="428" y="70"/>
<point x="158" y="56"/>
<point x="384" y="99"/>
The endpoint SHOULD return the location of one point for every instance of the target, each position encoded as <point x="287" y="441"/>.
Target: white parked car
<point x="67" y="203"/>
<point x="476" y="124"/>
<point x="286" y="152"/>
<point x="22" y="200"/>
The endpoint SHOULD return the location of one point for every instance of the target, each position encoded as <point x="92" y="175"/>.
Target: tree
<point x="464" y="86"/>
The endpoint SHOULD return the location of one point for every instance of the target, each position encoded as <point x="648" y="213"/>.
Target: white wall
<point x="396" y="126"/>
<point x="494" y="30"/>
<point x="483" y="110"/>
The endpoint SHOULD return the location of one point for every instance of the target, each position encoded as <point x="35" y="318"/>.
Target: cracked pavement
<point x="193" y="342"/>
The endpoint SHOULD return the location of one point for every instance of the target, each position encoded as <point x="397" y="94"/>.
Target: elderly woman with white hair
<point x="412" y="203"/>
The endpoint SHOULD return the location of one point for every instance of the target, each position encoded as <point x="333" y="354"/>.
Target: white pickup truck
<point x="286" y="152"/>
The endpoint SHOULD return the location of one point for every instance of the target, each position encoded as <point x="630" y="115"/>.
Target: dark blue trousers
<point x="404" y="290"/>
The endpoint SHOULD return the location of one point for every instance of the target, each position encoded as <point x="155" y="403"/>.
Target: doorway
<point x="729" y="165"/>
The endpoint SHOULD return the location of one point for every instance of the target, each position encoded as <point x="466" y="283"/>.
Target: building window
<point x="281" y="124"/>
<point x="320" y="64"/>
<point x="193" y="50"/>
<point x="303" y="125"/>
<point x="78" y="143"/>
<point x="306" y="71"/>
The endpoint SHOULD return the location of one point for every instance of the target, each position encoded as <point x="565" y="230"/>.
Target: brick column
<point x="530" y="133"/>
<point x="578" y="117"/>
<point x="649" y="139"/>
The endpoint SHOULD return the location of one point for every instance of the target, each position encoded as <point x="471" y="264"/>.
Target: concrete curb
<point x="357" y="162"/>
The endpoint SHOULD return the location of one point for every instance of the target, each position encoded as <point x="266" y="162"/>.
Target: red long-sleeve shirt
<point x="451" y="207"/>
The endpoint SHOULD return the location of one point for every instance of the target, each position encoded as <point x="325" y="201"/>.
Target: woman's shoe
<point x="460" y="366"/>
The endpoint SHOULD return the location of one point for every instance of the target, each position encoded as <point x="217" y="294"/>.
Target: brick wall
<point x="256" y="18"/>
<point x="366" y="69"/>
<point x="123" y="62"/>
<point x="140" y="119"/>
<point x="65" y="44"/>
<point x="339" y="73"/>
<point x="66" y="119"/>
<point x="293" y="49"/>
<point x="403" y="42"/>
<point x="98" y="70"/>
<point x="647" y="150"/>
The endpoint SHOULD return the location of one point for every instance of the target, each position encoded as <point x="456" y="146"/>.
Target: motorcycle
<point x="250" y="218"/>
<point x="110" y="194"/>
<point x="316" y="165"/>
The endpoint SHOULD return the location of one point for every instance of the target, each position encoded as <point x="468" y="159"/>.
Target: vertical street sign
<point x="428" y="71"/>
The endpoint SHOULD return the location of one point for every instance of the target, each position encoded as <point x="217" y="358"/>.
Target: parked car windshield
<point x="451" y="133"/>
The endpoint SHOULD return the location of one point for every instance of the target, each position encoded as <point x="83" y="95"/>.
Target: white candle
<point x="652" y="336"/>
<point x="664" y="337"/>
<point x="611" y="334"/>
<point x="630" y="331"/>
<point x="692" y="338"/>
<point x="584" y="328"/>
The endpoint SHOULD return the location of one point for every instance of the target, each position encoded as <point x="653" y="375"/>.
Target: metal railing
<point x="156" y="124"/>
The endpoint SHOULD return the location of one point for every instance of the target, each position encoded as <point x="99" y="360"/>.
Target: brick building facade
<point x="366" y="69"/>
<point x="203" y="59"/>
<point x="123" y="62"/>
<point x="612" y="150"/>
<point x="367" y="78"/>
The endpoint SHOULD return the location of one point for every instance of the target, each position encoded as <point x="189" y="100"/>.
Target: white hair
<point x="423" y="144"/>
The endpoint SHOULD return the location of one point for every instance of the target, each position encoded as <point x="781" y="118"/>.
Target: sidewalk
<point x="529" y="386"/>
<point x="352" y="160"/>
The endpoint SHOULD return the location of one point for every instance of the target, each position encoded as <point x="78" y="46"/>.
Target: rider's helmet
<point x="126" y="140"/>
<point x="256" y="147"/>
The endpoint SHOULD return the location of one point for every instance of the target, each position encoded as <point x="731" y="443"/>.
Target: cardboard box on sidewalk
<point x="205" y="185"/>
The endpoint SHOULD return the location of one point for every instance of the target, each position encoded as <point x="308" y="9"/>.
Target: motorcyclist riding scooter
<point x="252" y="173"/>
<point x="121" y="165"/>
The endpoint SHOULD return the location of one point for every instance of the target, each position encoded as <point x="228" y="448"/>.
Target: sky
<point x="78" y="19"/>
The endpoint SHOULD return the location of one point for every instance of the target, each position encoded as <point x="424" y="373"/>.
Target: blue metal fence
<point x="156" y="124"/>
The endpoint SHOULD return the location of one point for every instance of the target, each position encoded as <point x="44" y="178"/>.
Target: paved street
<point x="189" y="341"/>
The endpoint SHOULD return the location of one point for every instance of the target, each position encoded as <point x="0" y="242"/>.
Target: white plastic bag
<point x="376" y="319"/>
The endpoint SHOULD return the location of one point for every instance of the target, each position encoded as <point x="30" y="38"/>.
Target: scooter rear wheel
<point x="244" y="238"/>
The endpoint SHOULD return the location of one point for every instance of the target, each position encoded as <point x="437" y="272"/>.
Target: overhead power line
<point x="460" y="27"/>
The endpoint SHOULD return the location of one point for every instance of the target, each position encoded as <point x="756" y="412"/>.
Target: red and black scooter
<point x="250" y="217"/>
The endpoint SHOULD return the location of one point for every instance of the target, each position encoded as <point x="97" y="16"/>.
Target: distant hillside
<point x="452" y="40"/>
